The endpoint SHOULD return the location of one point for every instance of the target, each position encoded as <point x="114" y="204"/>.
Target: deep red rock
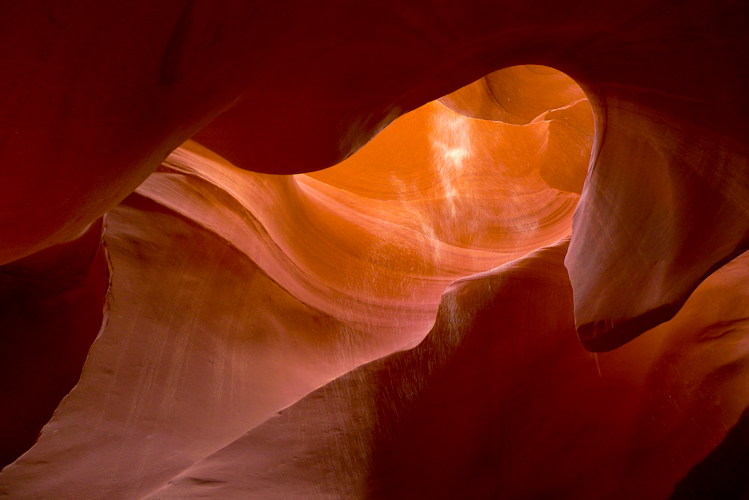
<point x="234" y="294"/>
<point x="105" y="93"/>
<point x="53" y="306"/>
<point x="501" y="398"/>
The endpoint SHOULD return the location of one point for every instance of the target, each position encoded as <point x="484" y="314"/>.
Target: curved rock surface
<point x="516" y="95"/>
<point x="501" y="400"/>
<point x="232" y="292"/>
<point x="53" y="306"/>
<point x="105" y="93"/>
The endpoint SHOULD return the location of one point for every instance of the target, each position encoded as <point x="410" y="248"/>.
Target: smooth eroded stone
<point x="52" y="305"/>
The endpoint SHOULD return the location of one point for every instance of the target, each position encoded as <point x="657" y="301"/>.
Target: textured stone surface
<point x="232" y="292"/>
<point x="104" y="93"/>
<point x="501" y="399"/>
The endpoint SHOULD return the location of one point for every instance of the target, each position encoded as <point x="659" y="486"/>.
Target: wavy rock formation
<point x="501" y="400"/>
<point x="222" y="292"/>
<point x="665" y="80"/>
<point x="234" y="294"/>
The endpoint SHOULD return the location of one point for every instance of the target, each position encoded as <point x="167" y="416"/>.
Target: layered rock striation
<point x="288" y="209"/>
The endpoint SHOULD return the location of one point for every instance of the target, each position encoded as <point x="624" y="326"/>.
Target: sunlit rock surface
<point x="501" y="400"/>
<point x="96" y="96"/>
<point x="218" y="296"/>
<point x="234" y="294"/>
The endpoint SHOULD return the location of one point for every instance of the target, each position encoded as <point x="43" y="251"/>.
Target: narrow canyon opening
<point x="454" y="188"/>
<point x="229" y="270"/>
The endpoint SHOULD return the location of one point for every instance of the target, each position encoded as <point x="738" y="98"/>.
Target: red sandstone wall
<point x="234" y="294"/>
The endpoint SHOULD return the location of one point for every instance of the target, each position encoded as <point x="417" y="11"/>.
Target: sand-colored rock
<point x="501" y="399"/>
<point x="236" y="292"/>
<point x="104" y="94"/>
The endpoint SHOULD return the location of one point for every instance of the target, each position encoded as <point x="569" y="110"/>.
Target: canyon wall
<point x="293" y="250"/>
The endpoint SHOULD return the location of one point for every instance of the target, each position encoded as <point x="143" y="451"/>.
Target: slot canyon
<point x="461" y="249"/>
